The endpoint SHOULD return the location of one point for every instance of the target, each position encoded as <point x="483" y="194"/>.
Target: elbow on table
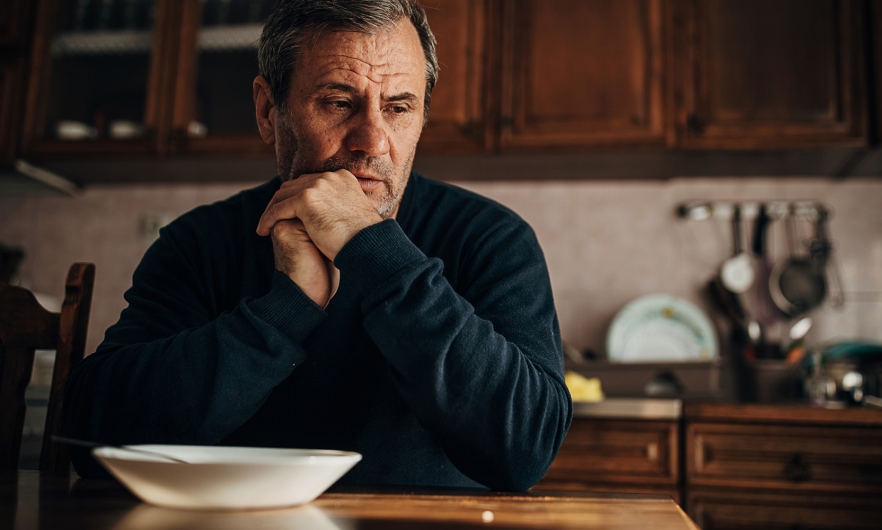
<point x="529" y="457"/>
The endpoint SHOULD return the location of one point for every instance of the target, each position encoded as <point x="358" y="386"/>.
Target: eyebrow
<point x="343" y="87"/>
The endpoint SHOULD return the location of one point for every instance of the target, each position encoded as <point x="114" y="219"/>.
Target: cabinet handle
<point x="798" y="469"/>
<point x="652" y="451"/>
<point x="695" y="124"/>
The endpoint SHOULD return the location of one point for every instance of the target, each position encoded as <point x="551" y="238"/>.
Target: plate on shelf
<point x="661" y="328"/>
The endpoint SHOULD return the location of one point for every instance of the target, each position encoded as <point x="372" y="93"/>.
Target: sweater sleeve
<point x="482" y="370"/>
<point x="172" y="370"/>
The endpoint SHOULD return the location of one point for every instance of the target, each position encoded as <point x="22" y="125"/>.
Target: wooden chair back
<point x="25" y="326"/>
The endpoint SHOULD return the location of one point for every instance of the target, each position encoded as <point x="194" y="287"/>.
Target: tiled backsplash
<point x="606" y="242"/>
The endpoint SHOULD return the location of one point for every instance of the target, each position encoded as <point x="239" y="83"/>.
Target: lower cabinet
<point x="737" y="466"/>
<point x="752" y="466"/>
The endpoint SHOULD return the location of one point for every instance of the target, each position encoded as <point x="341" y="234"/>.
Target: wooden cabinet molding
<point x="780" y="415"/>
<point x="753" y="74"/>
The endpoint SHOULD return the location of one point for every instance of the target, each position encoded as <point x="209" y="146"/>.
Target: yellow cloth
<point x="583" y="388"/>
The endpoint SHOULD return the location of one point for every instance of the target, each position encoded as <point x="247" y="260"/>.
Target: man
<point x="437" y="357"/>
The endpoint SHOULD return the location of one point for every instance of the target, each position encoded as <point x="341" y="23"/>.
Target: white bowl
<point x="226" y="478"/>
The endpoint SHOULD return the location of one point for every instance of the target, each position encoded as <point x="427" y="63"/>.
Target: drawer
<point x="730" y="511"/>
<point x="833" y="459"/>
<point x="617" y="452"/>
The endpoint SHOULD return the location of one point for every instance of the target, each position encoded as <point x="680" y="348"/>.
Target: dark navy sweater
<point x="439" y="358"/>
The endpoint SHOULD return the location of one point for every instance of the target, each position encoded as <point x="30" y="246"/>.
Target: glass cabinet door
<point x="215" y="110"/>
<point x="93" y="76"/>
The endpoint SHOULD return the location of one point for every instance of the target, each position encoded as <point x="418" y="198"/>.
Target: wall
<point x="606" y="242"/>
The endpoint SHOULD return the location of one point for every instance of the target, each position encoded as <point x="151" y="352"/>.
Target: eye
<point x="339" y="104"/>
<point x="398" y="109"/>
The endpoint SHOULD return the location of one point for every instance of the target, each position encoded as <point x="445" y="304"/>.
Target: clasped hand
<point x="310" y="219"/>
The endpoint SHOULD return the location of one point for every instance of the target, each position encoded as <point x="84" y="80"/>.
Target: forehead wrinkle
<point x="372" y="75"/>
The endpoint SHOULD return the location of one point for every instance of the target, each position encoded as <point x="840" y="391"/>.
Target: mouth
<point x="368" y="183"/>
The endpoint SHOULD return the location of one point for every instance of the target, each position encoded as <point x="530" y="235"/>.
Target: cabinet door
<point x="96" y="84"/>
<point x="582" y="73"/>
<point x="457" y="114"/>
<point x="216" y="65"/>
<point x="597" y="452"/>
<point x="760" y="74"/>
<point x="727" y="510"/>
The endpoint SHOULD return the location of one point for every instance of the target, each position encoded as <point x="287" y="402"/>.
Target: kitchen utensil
<point x="797" y="284"/>
<point x="661" y="327"/>
<point x="744" y="337"/>
<point x="737" y="273"/>
<point x="796" y="351"/>
<point x="225" y="478"/>
<point x="95" y="445"/>
<point x="764" y="309"/>
<point x="801" y="328"/>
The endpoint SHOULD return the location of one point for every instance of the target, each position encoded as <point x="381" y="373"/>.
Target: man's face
<point x="355" y="102"/>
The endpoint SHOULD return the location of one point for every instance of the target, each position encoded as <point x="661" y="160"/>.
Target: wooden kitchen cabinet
<point x="582" y="73"/>
<point x="516" y="75"/>
<point x="754" y="74"/>
<point x="183" y="76"/>
<point x="97" y="77"/>
<point x="635" y="456"/>
<point x="783" y="467"/>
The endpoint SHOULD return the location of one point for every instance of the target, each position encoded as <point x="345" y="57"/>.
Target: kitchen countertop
<point x="630" y="408"/>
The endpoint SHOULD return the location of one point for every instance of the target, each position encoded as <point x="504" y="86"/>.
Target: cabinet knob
<point x="798" y="470"/>
<point x="695" y="124"/>
<point x="652" y="451"/>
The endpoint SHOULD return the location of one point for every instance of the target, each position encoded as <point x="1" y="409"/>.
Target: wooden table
<point x="29" y="501"/>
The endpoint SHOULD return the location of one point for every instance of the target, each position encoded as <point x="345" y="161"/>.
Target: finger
<point x="287" y="229"/>
<point x="289" y="190"/>
<point x="286" y="210"/>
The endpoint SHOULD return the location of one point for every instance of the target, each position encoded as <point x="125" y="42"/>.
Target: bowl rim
<point x="309" y="456"/>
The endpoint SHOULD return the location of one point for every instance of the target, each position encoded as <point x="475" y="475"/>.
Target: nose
<point x="369" y="134"/>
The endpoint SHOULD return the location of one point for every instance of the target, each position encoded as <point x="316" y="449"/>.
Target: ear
<point x="265" y="110"/>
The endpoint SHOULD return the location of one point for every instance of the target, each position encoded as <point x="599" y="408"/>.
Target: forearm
<point x="494" y="397"/>
<point x="194" y="386"/>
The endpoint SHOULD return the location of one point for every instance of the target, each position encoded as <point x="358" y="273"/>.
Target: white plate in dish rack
<point x="226" y="478"/>
<point x="661" y="328"/>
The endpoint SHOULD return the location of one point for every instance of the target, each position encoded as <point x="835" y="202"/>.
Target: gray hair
<point x="293" y="22"/>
